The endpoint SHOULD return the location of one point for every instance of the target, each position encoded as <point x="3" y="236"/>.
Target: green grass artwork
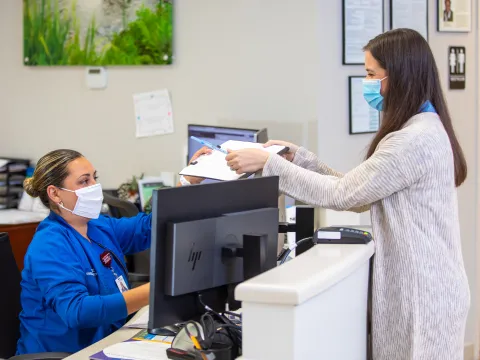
<point x="97" y="32"/>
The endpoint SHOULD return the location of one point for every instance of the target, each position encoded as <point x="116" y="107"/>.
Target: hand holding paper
<point x="215" y="166"/>
<point x="247" y="160"/>
<point x="292" y="148"/>
<point x="203" y="151"/>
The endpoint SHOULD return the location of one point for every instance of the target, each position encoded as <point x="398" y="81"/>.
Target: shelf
<point x="12" y="175"/>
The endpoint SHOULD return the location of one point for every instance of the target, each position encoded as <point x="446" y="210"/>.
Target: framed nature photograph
<point x="454" y="15"/>
<point x="97" y="32"/>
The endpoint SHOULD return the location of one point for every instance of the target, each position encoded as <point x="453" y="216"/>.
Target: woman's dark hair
<point x="51" y="169"/>
<point x="412" y="80"/>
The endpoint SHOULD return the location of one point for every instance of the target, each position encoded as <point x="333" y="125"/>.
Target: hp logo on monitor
<point x="194" y="256"/>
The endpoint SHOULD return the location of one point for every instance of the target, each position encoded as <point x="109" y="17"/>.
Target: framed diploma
<point x="411" y="14"/>
<point x="362" y="21"/>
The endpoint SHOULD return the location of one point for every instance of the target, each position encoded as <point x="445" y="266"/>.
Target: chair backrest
<point x="119" y="208"/>
<point x="9" y="300"/>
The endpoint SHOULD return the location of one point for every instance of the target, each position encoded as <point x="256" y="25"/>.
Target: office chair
<point x="119" y="208"/>
<point x="10" y="307"/>
<point x="138" y="264"/>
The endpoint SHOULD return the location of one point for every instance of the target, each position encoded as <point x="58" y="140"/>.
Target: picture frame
<point x="98" y="33"/>
<point x="363" y="119"/>
<point x="354" y="40"/>
<point x="411" y="14"/>
<point x="454" y="15"/>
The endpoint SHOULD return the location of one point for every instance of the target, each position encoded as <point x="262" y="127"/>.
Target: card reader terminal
<point x="341" y="235"/>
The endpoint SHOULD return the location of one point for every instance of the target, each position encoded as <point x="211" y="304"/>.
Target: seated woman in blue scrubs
<point x="74" y="285"/>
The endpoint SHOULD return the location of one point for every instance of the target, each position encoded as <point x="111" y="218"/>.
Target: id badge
<point x="121" y="284"/>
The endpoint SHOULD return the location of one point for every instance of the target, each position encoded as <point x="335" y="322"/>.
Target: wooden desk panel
<point x="20" y="237"/>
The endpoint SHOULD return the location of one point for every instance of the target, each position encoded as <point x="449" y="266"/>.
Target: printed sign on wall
<point x="456" y="66"/>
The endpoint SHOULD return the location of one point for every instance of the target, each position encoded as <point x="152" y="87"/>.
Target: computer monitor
<point x="199" y="235"/>
<point x="217" y="135"/>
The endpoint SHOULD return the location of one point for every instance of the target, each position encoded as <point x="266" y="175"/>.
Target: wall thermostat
<point x="96" y="77"/>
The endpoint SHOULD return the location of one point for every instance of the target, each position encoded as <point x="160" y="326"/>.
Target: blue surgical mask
<point x="371" y="92"/>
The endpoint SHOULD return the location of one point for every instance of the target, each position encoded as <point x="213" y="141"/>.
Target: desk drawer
<point x="20" y="237"/>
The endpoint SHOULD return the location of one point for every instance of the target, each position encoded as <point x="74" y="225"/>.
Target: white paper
<point x="16" y="167"/>
<point x="138" y="350"/>
<point x="153" y="113"/>
<point x="363" y="21"/>
<point x="411" y="14"/>
<point x="38" y="207"/>
<point x="26" y="202"/>
<point x="3" y="162"/>
<point x="364" y="118"/>
<point x="139" y="323"/>
<point x="214" y="166"/>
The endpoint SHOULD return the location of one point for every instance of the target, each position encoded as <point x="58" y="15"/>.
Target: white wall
<point x="245" y="63"/>
<point x="237" y="63"/>
<point x="463" y="108"/>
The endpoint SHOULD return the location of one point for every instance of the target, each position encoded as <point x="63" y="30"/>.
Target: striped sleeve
<point x="398" y="162"/>
<point x="308" y="160"/>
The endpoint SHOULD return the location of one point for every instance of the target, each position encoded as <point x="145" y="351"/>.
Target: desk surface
<point x="16" y="217"/>
<point x="118" y="336"/>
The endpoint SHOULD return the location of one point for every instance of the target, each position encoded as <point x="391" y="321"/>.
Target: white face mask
<point x="89" y="202"/>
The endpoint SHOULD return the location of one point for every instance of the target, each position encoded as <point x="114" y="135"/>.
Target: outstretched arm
<point x="308" y="160"/>
<point x="393" y="167"/>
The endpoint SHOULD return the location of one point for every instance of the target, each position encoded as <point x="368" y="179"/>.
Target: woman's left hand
<point x="247" y="160"/>
<point x="193" y="179"/>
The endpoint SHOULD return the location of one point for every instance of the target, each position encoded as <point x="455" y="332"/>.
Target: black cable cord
<point x="286" y="253"/>
<point x="282" y="253"/>
<point x="221" y="329"/>
<point x="231" y="330"/>
<point x="208" y="329"/>
<point x="208" y="308"/>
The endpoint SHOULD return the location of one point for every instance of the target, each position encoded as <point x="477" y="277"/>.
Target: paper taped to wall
<point x="153" y="113"/>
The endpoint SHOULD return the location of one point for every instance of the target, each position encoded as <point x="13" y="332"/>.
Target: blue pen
<point x="209" y="145"/>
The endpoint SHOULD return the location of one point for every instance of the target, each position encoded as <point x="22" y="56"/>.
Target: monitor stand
<point x="254" y="254"/>
<point x="162" y="331"/>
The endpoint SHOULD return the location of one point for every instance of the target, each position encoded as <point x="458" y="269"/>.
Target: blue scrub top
<point x="69" y="298"/>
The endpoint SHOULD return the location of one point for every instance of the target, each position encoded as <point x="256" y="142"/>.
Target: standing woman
<point x="420" y="295"/>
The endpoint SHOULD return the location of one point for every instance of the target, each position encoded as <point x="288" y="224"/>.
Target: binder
<point x="214" y="166"/>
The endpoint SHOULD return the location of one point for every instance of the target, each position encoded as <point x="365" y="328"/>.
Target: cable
<point x="225" y="326"/>
<point x="284" y="256"/>
<point x="233" y="314"/>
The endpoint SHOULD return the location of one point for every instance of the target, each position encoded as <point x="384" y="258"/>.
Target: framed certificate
<point x="362" y="21"/>
<point x="363" y="118"/>
<point x="454" y="15"/>
<point x="411" y="14"/>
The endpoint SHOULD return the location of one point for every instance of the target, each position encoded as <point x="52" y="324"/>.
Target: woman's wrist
<point x="137" y="298"/>
<point x="184" y="181"/>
